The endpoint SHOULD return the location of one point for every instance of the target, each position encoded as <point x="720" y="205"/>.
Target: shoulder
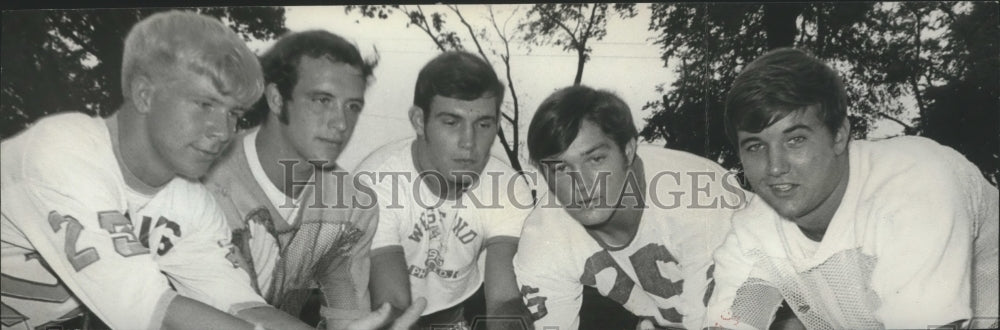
<point x="548" y="229"/>
<point x="671" y="159"/>
<point x="65" y="150"/>
<point x="904" y="162"/>
<point x="191" y="194"/>
<point x="387" y="157"/>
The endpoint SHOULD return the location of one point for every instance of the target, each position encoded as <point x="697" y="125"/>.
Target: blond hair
<point x="165" y="42"/>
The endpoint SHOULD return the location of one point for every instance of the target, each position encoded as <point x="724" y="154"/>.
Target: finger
<point x="646" y="325"/>
<point x="410" y="316"/>
<point x="373" y="320"/>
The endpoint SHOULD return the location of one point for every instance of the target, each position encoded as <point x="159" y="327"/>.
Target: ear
<point x="274" y="99"/>
<point x="417" y="120"/>
<point x="842" y="136"/>
<point x="630" y="150"/>
<point x="142" y="93"/>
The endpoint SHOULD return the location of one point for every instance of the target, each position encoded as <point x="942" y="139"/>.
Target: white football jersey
<point x="74" y="232"/>
<point x="913" y="244"/>
<point x="442" y="240"/>
<point x="664" y="273"/>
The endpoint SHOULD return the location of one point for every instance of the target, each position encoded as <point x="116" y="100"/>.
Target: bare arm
<point x="390" y="282"/>
<point x="502" y="296"/>
<point x="187" y="313"/>
<point x="272" y="318"/>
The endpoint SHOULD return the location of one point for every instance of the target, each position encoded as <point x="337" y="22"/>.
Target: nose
<point x="585" y="181"/>
<point x="337" y="120"/>
<point x="220" y="126"/>
<point x="466" y="139"/>
<point x="777" y="162"/>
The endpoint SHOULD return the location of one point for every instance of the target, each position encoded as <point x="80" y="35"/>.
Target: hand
<point x="645" y="324"/>
<point x="379" y="319"/>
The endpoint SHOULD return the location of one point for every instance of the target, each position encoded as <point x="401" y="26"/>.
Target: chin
<point x="590" y="218"/>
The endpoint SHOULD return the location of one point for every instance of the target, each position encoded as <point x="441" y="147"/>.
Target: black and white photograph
<point x="547" y="166"/>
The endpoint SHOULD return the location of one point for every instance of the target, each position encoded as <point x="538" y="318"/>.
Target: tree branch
<point x="472" y="33"/>
<point x="427" y="28"/>
<point x="900" y="122"/>
<point x="572" y="36"/>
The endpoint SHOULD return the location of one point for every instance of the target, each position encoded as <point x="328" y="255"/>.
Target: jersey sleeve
<point x="202" y="263"/>
<point x="550" y="291"/>
<point x="516" y="204"/>
<point x="925" y="234"/>
<point x="70" y="210"/>
<point x="701" y="234"/>
<point x="390" y="211"/>
<point x="738" y="300"/>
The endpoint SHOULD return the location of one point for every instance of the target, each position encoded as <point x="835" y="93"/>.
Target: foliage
<point x="70" y="60"/>
<point x="894" y="57"/>
<point x="572" y="26"/>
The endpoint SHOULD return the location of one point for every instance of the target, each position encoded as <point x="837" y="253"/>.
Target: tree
<point x="890" y="54"/>
<point x="549" y="24"/>
<point x="70" y="60"/>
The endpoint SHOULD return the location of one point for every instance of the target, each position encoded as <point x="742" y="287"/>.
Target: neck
<point x="623" y="224"/>
<point x="815" y="223"/>
<point x="272" y="154"/>
<point x="135" y="150"/>
<point x="447" y="189"/>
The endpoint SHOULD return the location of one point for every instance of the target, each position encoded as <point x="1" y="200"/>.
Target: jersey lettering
<point x="165" y="243"/>
<point x="79" y="259"/>
<point x="126" y="244"/>
<point x="537" y="302"/>
<point x="644" y="261"/>
<point x="600" y="261"/>
<point x="24" y="289"/>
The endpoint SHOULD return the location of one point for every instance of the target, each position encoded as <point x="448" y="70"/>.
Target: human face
<point x="795" y="165"/>
<point x="589" y="177"/>
<point x="457" y="136"/>
<point x="189" y="122"/>
<point x="323" y="110"/>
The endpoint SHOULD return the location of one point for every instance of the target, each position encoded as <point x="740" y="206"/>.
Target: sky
<point x="625" y="62"/>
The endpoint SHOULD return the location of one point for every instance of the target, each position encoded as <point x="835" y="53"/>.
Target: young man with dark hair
<point x="298" y="219"/>
<point x="443" y="199"/>
<point x="107" y="214"/>
<point x="638" y="223"/>
<point x="899" y="233"/>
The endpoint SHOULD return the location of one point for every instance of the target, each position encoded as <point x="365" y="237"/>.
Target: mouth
<point x="209" y="153"/>
<point x="336" y="142"/>
<point x="783" y="189"/>
<point x="589" y="203"/>
<point x="464" y="161"/>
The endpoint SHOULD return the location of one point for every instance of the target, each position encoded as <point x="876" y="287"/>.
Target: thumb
<point x="646" y="325"/>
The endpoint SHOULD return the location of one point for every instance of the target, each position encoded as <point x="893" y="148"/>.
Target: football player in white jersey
<point x="898" y="233"/>
<point x="443" y="199"/>
<point x="296" y="216"/>
<point x="636" y="222"/>
<point x="107" y="214"/>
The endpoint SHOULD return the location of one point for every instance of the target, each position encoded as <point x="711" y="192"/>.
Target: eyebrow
<point x="797" y="127"/>
<point x="594" y="148"/>
<point x="749" y="139"/>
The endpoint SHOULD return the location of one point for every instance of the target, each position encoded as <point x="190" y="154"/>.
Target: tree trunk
<point x="581" y="59"/>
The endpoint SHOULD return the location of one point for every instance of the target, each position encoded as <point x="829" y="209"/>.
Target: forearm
<point x="503" y="299"/>
<point x="272" y="318"/>
<point x="187" y="313"/>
